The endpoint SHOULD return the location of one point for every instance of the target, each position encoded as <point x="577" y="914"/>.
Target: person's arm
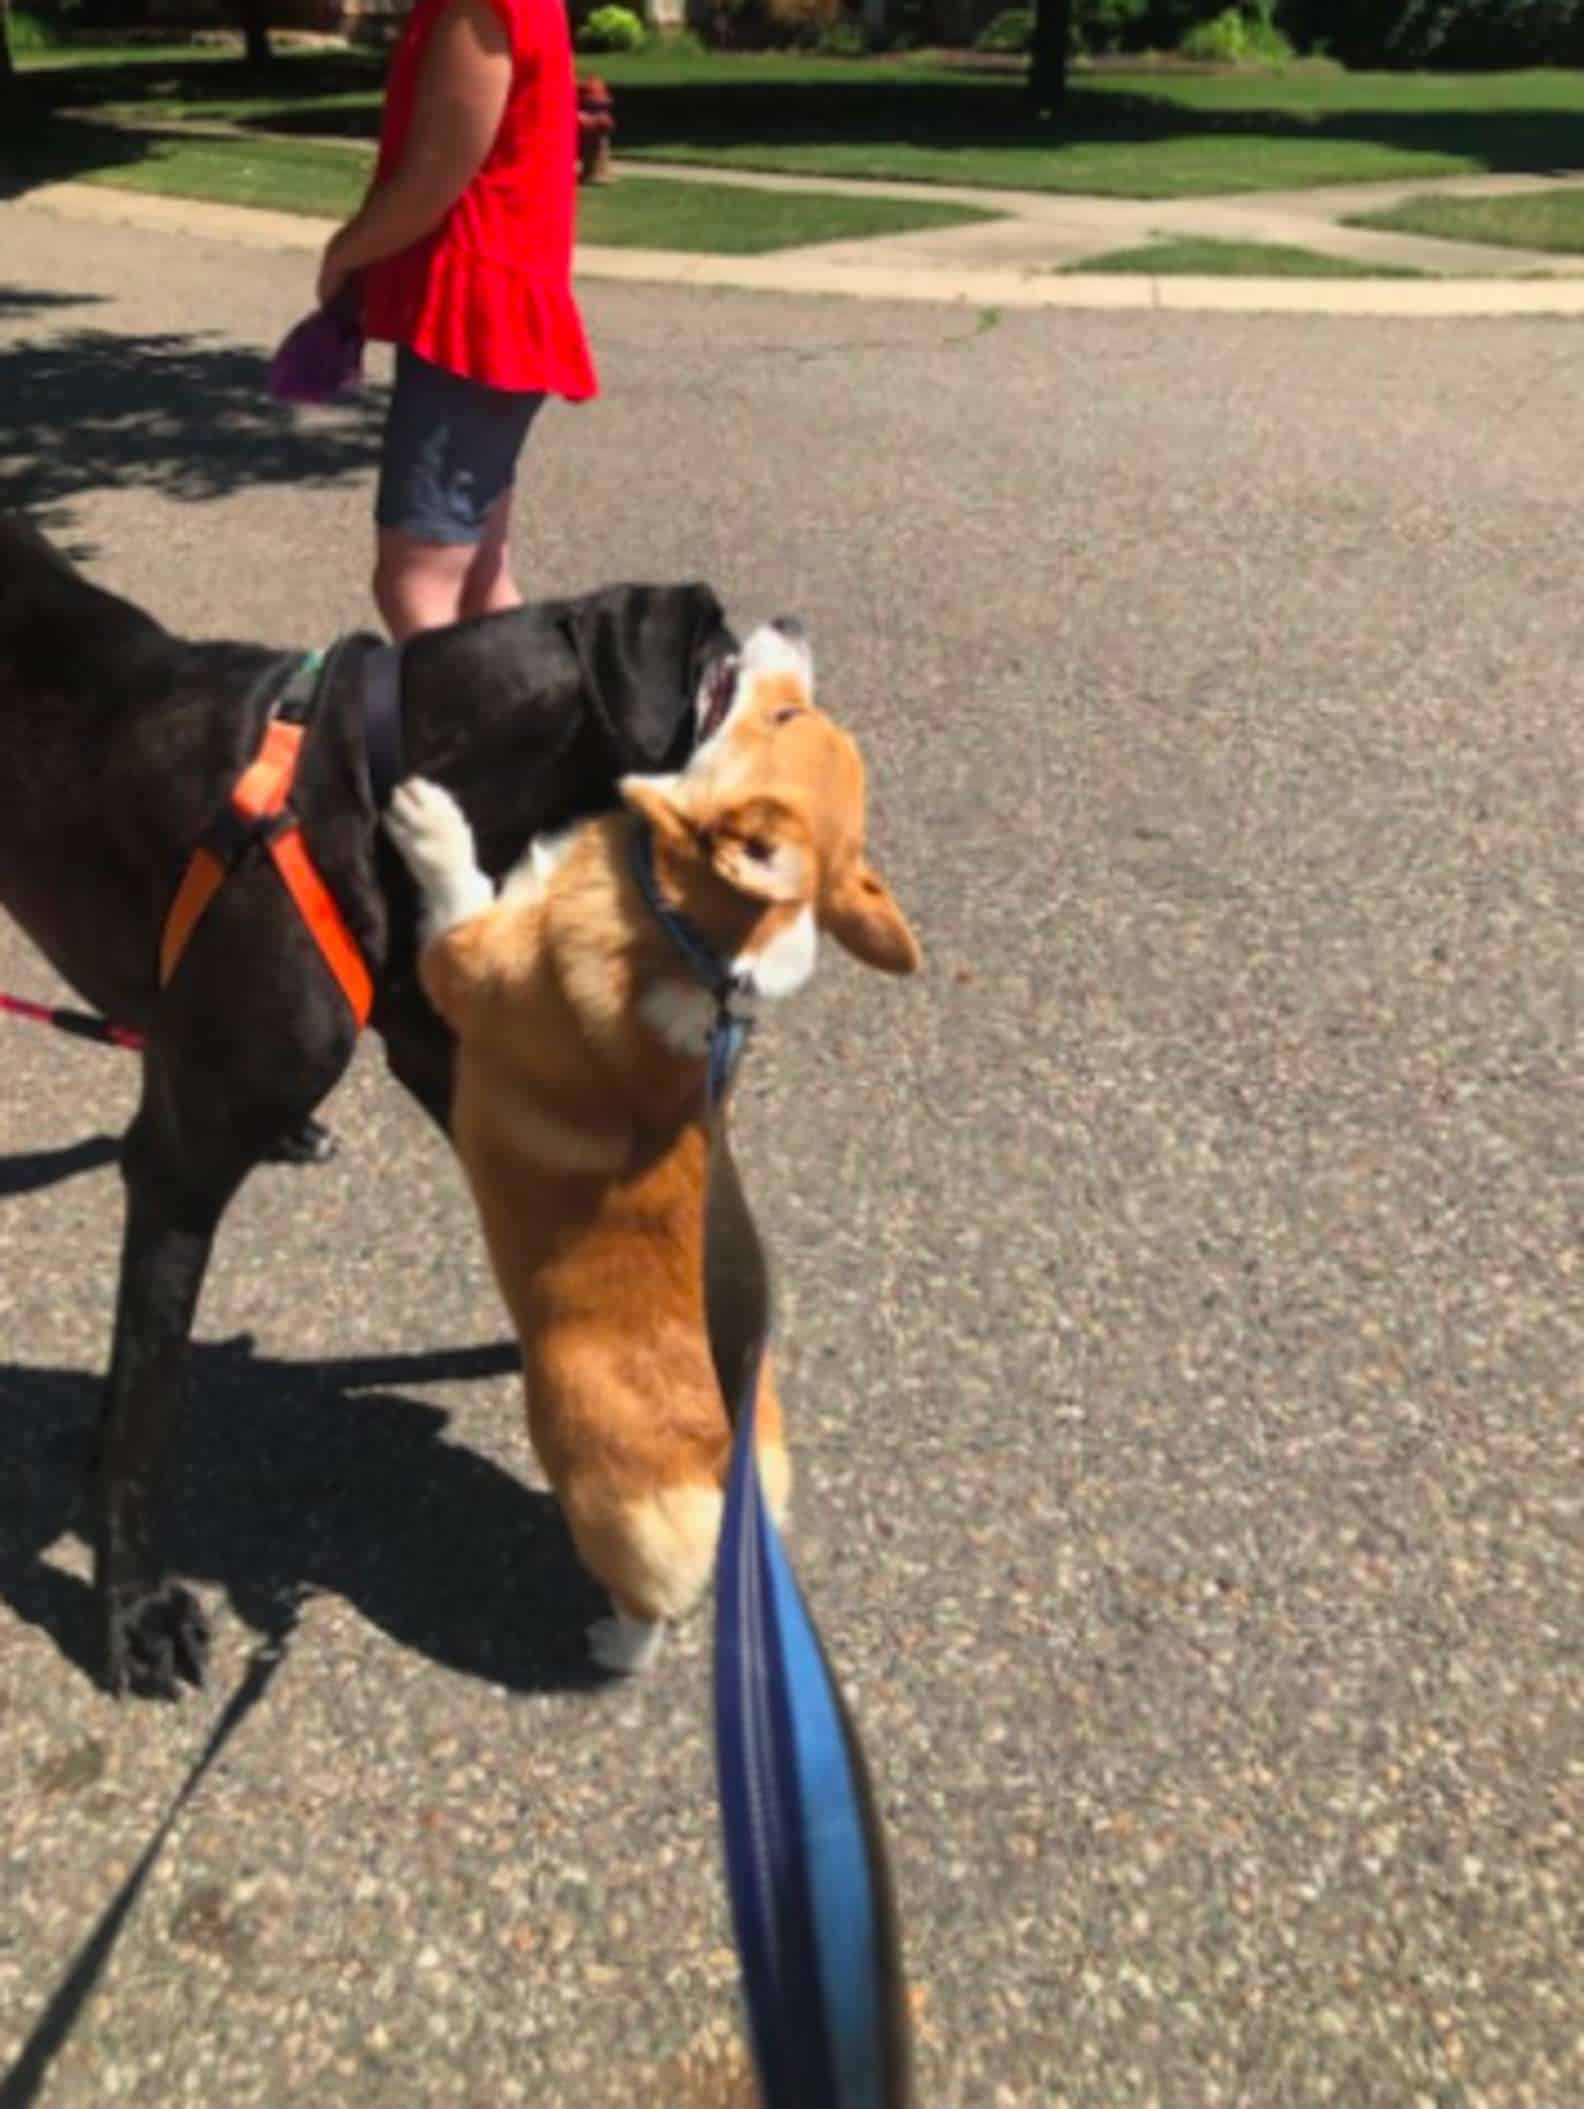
<point x="462" y="89"/>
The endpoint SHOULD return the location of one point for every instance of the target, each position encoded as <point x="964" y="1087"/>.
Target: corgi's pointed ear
<point x="654" y="799"/>
<point x="762" y="848"/>
<point x="862" y="915"/>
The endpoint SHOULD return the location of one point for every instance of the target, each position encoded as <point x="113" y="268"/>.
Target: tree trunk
<point x="1047" y="74"/>
<point x="255" y="29"/>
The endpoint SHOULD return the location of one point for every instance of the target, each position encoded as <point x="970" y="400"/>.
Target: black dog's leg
<point x="309" y="1142"/>
<point x="418" y="1045"/>
<point x="155" y="1632"/>
<point x="213" y="1104"/>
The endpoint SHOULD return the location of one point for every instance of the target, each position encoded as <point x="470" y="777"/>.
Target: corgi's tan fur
<point x="578" y="1113"/>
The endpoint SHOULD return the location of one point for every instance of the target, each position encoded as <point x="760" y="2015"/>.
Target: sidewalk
<point x="1018" y="260"/>
<point x="1021" y="259"/>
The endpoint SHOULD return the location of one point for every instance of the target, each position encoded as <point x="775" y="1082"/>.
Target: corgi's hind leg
<point x="624" y="1644"/>
<point x="655" y="1556"/>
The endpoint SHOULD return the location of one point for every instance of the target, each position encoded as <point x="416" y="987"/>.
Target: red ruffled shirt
<point x="489" y="293"/>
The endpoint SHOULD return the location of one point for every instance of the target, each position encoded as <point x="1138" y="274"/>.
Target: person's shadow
<point x="301" y="1478"/>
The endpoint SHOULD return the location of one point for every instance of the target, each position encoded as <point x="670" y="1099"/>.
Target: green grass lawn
<point x="310" y="177"/>
<point x="1202" y="258"/>
<point x="1553" y="222"/>
<point x="1155" y="134"/>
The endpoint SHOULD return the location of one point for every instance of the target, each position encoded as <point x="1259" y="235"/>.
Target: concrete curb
<point x="807" y="272"/>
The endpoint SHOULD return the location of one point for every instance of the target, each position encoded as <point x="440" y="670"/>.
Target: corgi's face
<point x="762" y="833"/>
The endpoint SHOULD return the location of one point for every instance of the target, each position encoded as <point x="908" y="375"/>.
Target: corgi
<point x="583" y="1036"/>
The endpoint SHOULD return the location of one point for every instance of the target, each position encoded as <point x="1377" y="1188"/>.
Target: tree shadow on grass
<point x="39" y="150"/>
<point x="305" y="1478"/>
<point x="976" y="113"/>
<point x="887" y="105"/>
<point x="169" y="80"/>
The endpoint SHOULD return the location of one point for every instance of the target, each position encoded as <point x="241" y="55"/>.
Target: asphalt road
<point x="1181" y="1282"/>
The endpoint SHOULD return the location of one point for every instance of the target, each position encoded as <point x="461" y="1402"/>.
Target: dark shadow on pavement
<point x="17" y="301"/>
<point x="29" y="1170"/>
<point x="175" y="412"/>
<point x="314" y="1478"/>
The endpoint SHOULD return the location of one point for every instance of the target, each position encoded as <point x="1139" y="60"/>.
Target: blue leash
<point x="805" y="1855"/>
<point x="806" y="1866"/>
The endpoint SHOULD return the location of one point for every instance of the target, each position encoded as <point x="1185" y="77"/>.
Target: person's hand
<point x="333" y="273"/>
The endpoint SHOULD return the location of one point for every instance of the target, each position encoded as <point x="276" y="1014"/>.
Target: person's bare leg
<point x="489" y="586"/>
<point x="419" y="585"/>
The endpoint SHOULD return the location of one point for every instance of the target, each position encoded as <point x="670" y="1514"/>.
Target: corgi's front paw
<point x="625" y="1645"/>
<point x="431" y="831"/>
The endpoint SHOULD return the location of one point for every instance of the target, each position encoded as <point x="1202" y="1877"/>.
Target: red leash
<point x="83" y="1025"/>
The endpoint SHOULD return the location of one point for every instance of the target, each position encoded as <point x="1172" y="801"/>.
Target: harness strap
<point x="326" y="925"/>
<point x="382" y="725"/>
<point x="200" y="883"/>
<point x="258" y="810"/>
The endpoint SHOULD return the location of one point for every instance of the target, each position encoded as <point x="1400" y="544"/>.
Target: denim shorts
<point x="450" y="450"/>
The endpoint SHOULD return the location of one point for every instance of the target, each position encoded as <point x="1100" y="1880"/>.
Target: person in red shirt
<point x="464" y="251"/>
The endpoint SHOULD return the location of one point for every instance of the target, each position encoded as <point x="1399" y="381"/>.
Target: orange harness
<point x="260" y="810"/>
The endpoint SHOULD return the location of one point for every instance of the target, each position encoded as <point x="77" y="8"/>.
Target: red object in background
<point x="596" y="127"/>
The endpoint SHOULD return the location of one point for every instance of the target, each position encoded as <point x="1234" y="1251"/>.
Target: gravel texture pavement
<point x="1181" y="1305"/>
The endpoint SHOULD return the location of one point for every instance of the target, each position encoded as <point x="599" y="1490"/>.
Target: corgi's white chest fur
<point x="683" y="1014"/>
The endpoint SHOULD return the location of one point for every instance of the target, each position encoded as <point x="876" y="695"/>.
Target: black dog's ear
<point x="642" y="651"/>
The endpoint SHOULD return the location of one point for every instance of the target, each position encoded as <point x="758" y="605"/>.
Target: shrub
<point x="761" y="25"/>
<point x="1235" y="37"/>
<point x="1483" y="33"/>
<point x="30" y="32"/>
<point x="1223" y="39"/>
<point x="1011" y="30"/>
<point x="1109" y="25"/>
<point x="800" y="22"/>
<point x="843" y="40"/>
<point x="1452" y="33"/>
<point x="612" y="29"/>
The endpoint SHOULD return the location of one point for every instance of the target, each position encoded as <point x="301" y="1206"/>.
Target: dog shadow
<point x="308" y="1478"/>
<point x="28" y="1170"/>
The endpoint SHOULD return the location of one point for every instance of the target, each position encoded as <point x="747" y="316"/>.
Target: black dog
<point x="119" y="743"/>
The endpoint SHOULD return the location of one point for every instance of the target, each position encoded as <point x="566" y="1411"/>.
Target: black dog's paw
<point x="310" y="1142"/>
<point x="158" y="1640"/>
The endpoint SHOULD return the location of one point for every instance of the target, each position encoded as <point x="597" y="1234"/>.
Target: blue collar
<point x="729" y="1033"/>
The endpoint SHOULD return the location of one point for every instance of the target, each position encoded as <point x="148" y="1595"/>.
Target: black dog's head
<point x="529" y="718"/>
<point x="644" y="653"/>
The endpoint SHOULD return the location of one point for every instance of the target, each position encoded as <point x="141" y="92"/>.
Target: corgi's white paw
<point x="625" y="1645"/>
<point x="431" y="831"/>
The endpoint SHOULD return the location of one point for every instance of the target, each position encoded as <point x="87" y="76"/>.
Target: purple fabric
<point x="321" y="357"/>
